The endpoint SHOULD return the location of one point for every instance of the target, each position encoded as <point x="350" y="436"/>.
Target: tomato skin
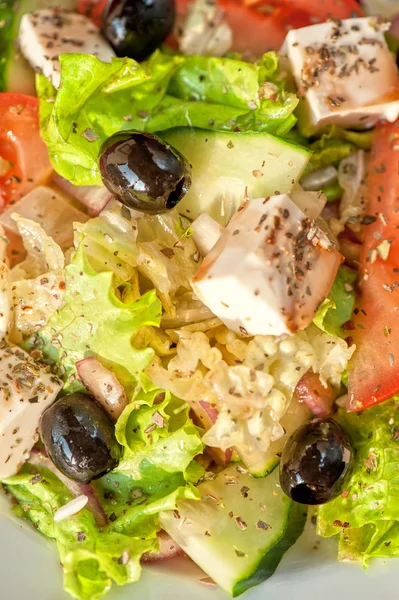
<point x="255" y="29"/>
<point x="374" y="369"/>
<point x="21" y="146"/>
<point x="262" y="25"/>
<point x="94" y="9"/>
<point x="257" y="25"/>
<point x="256" y="32"/>
<point x="322" y="9"/>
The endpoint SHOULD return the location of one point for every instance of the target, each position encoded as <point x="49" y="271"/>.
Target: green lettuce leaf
<point x="335" y="144"/>
<point x="219" y="83"/>
<point x="158" y="468"/>
<point x="337" y="308"/>
<point x="366" y="515"/>
<point x="333" y="192"/>
<point x="92" y="558"/>
<point x="218" y="80"/>
<point x="160" y="442"/>
<point x="115" y="242"/>
<point x="164" y="92"/>
<point x="94" y="322"/>
<point x="109" y="97"/>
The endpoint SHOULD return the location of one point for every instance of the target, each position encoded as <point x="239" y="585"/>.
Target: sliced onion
<point x="210" y="410"/>
<point x="102" y="385"/>
<point x="395" y="26"/>
<point x="350" y="250"/>
<point x="93" y="197"/>
<point x="206" y="415"/>
<point x="167" y="549"/>
<point x="319" y="179"/>
<point x="40" y="458"/>
<point x="311" y="391"/>
<point x="330" y="211"/>
<point x="206" y="233"/>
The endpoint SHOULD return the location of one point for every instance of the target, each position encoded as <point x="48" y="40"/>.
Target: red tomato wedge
<point x="319" y="9"/>
<point x="24" y="161"/>
<point x="261" y="25"/>
<point x="93" y="9"/>
<point x="258" y="25"/>
<point x="255" y="29"/>
<point x="374" y="369"/>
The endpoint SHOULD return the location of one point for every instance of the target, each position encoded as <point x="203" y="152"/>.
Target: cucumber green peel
<point x="240" y="529"/>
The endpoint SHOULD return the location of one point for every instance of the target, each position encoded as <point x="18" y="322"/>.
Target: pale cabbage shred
<point x="33" y="290"/>
<point x="114" y="241"/>
<point x="352" y="177"/>
<point x="250" y="381"/>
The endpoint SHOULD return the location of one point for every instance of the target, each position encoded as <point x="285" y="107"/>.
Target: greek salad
<point x="199" y="279"/>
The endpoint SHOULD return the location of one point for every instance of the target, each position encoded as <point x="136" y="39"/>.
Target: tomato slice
<point x="256" y="31"/>
<point x="258" y="25"/>
<point x="262" y="25"/>
<point x="319" y="9"/>
<point x="24" y="161"/>
<point x="94" y="9"/>
<point x="374" y="369"/>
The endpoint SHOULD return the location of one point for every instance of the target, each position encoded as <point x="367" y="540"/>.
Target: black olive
<point x="143" y="172"/>
<point x="79" y="437"/>
<point x="135" y="28"/>
<point x="316" y="461"/>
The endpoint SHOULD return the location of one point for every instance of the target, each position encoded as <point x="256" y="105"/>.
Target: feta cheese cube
<point x="344" y="72"/>
<point x="47" y="33"/>
<point x="269" y="271"/>
<point x="26" y="390"/>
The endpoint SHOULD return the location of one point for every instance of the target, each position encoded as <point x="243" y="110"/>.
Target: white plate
<point x="29" y="570"/>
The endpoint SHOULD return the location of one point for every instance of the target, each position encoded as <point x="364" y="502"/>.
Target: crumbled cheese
<point x="252" y="392"/>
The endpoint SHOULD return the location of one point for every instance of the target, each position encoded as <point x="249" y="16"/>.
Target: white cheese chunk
<point x="206" y="233"/>
<point x="26" y="390"/>
<point x="269" y="271"/>
<point x="344" y="72"/>
<point x="47" y="33"/>
<point x="205" y="30"/>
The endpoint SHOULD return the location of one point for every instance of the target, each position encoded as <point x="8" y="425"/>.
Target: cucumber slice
<point x="260" y="464"/>
<point x="226" y="164"/>
<point x="15" y="73"/>
<point x="8" y="53"/>
<point x="239" y="530"/>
